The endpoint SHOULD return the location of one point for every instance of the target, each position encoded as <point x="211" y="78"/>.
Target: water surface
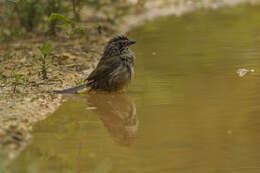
<point x="187" y="111"/>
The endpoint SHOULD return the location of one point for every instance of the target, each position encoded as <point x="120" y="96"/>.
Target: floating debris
<point x="91" y="108"/>
<point x="242" y="71"/>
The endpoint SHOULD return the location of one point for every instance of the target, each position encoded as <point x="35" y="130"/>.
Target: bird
<point x="114" y="71"/>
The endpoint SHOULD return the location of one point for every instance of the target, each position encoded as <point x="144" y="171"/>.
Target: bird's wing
<point x="104" y="67"/>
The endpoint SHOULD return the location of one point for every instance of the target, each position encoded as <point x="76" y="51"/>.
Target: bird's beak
<point x="130" y="42"/>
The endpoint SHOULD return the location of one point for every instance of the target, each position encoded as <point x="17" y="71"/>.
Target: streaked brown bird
<point x="114" y="70"/>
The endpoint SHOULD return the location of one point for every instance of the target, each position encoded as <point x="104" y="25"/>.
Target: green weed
<point x="69" y="27"/>
<point x="44" y="58"/>
<point x="16" y="80"/>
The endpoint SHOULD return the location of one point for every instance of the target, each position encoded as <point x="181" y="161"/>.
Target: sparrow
<point x="114" y="70"/>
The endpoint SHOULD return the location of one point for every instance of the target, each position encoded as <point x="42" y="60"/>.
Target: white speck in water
<point x="154" y="53"/>
<point x="91" y="108"/>
<point x="242" y="71"/>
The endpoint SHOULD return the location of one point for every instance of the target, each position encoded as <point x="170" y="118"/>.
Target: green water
<point x="187" y="111"/>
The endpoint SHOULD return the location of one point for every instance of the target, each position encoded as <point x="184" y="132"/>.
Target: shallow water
<point x="187" y="111"/>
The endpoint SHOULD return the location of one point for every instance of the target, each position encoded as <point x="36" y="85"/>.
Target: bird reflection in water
<point x="117" y="111"/>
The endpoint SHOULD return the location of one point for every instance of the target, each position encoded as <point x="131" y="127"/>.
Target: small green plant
<point x="56" y="17"/>
<point x="80" y="82"/>
<point x="61" y="18"/>
<point x="70" y="27"/>
<point x="16" y="80"/>
<point x="44" y="58"/>
<point x="56" y="7"/>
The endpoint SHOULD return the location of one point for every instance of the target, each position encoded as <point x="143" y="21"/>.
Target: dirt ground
<point x="25" y="97"/>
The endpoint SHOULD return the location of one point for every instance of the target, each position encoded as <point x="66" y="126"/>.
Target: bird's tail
<point x="71" y="90"/>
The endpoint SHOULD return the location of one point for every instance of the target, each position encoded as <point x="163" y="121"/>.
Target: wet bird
<point x="114" y="70"/>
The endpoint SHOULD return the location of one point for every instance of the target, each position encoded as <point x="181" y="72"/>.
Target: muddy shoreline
<point x="71" y="61"/>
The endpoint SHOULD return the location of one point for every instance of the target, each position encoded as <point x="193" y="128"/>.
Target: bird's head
<point x="118" y="45"/>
